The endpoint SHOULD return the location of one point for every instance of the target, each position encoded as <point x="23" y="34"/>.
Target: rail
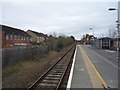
<point x="53" y="76"/>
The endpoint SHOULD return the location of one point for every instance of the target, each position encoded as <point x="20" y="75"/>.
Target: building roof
<point x="105" y="38"/>
<point x="15" y="31"/>
<point x="39" y="34"/>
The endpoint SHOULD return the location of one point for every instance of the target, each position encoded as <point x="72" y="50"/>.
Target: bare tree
<point x="102" y="35"/>
<point x="112" y="33"/>
<point x="54" y="34"/>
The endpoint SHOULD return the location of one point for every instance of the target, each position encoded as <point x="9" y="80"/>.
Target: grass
<point x="26" y="72"/>
<point x="17" y="68"/>
<point x="13" y="69"/>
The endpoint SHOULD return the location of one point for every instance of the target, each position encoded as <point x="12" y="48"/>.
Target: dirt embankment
<point x="23" y="74"/>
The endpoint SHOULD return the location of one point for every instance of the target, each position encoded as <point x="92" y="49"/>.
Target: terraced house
<point x="13" y="36"/>
<point x="37" y="37"/>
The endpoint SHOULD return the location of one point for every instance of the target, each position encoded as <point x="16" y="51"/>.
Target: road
<point x="105" y="62"/>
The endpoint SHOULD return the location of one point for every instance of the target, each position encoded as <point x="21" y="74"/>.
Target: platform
<point x="83" y="73"/>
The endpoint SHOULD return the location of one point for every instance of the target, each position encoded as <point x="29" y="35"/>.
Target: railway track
<point x="53" y="77"/>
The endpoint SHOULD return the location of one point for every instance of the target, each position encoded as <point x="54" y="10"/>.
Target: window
<point x="30" y="39"/>
<point x="18" y="37"/>
<point x="7" y="37"/>
<point x="15" y="37"/>
<point x="24" y="38"/>
<point x="10" y="37"/>
<point x="27" y="38"/>
<point x="40" y="39"/>
<point x="21" y="38"/>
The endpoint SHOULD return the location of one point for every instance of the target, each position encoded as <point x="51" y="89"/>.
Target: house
<point x="88" y="39"/>
<point x="13" y="36"/>
<point x="37" y="37"/>
<point x="1" y="37"/>
<point x="114" y="43"/>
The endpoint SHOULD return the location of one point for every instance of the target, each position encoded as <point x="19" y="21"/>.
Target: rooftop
<point x="15" y="31"/>
<point x="39" y="34"/>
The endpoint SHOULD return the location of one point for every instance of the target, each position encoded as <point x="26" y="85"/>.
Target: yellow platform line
<point x="100" y="77"/>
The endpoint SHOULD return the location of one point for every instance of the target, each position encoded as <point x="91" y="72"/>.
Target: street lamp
<point x="92" y="30"/>
<point x="93" y="36"/>
<point x="118" y="24"/>
<point x="110" y="9"/>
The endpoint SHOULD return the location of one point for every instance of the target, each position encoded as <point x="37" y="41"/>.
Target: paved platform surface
<point x="91" y="70"/>
<point x="80" y="77"/>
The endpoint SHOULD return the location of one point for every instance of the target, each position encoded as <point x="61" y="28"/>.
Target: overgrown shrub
<point x="60" y="42"/>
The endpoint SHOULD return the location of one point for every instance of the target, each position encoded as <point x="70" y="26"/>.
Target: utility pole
<point x="118" y="26"/>
<point x="118" y="33"/>
<point x="118" y="39"/>
<point x="93" y="41"/>
<point x="118" y="43"/>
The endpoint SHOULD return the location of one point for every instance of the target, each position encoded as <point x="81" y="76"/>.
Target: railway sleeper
<point x="54" y="75"/>
<point x="59" y="65"/>
<point x="59" y="73"/>
<point x="58" y="69"/>
<point x="45" y="85"/>
<point x="52" y="78"/>
<point x="50" y="81"/>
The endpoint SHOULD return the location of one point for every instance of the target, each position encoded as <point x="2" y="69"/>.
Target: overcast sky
<point x="70" y="18"/>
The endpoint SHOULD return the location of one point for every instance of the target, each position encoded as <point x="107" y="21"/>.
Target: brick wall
<point x="13" y="41"/>
<point x="0" y="40"/>
<point x="86" y="39"/>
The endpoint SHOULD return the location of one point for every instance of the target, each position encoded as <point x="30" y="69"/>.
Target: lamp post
<point x="92" y="30"/>
<point x="118" y="51"/>
<point x="93" y="36"/>
<point x="118" y="25"/>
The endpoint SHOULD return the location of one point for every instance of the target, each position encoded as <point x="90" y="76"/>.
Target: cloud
<point x="64" y="17"/>
<point x="60" y="0"/>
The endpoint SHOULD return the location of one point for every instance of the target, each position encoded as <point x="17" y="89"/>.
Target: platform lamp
<point x="118" y="36"/>
<point x="91" y="29"/>
<point x="118" y="25"/>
